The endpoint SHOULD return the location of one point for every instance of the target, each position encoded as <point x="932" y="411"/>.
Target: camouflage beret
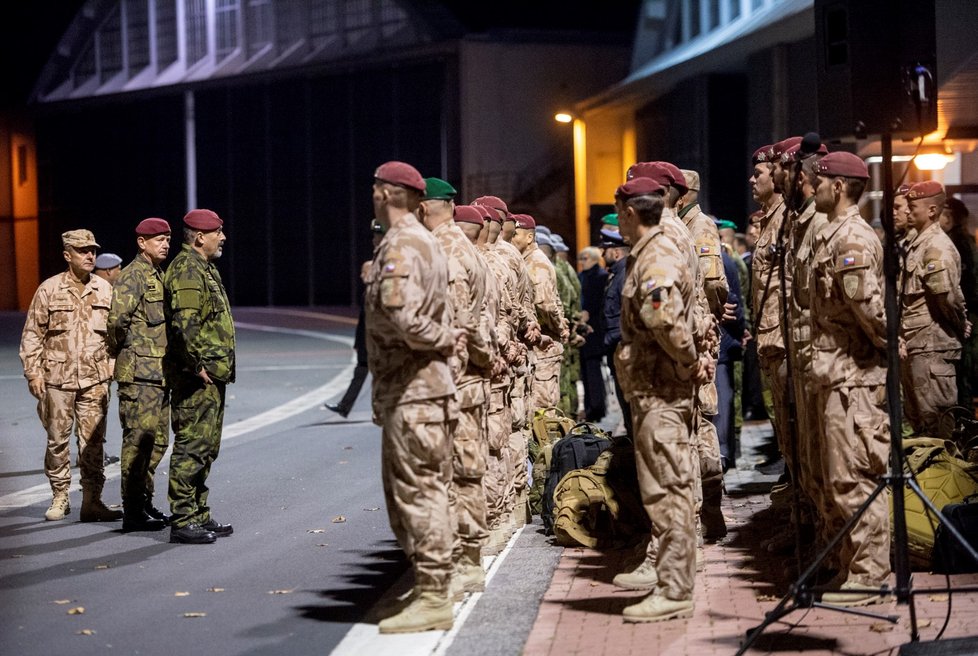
<point x="692" y="179"/>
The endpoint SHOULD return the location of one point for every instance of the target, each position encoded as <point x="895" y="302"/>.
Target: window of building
<point x="166" y="33"/>
<point x="734" y="9"/>
<point x="195" y="12"/>
<point x="226" y="26"/>
<point x="289" y="24"/>
<point x="757" y="4"/>
<point x="260" y="30"/>
<point x="392" y="18"/>
<point x="714" y="18"/>
<point x="694" y="18"/>
<point x="137" y="35"/>
<point x="85" y="67"/>
<point x="110" y="45"/>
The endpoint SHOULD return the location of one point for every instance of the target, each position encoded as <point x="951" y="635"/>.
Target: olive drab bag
<point x="945" y="478"/>
<point x="601" y="506"/>
<point x="580" y="448"/>
<point x="547" y="426"/>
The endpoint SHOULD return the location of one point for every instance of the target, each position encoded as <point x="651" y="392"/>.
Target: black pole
<point x="891" y="268"/>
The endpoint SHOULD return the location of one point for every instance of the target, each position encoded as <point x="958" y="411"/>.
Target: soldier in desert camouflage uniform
<point x="63" y="351"/>
<point x="410" y="338"/>
<point x="200" y="365"/>
<point x="849" y="369"/>
<point x="137" y="341"/>
<point x="657" y="363"/>
<point x="467" y="295"/>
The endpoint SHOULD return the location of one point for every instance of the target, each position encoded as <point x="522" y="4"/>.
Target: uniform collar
<point x="924" y="234"/>
<point x="833" y="227"/>
<point x="688" y="210"/>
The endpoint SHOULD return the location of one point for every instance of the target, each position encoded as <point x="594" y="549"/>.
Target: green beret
<point x="723" y="223"/>
<point x="610" y="219"/>
<point x="438" y="189"/>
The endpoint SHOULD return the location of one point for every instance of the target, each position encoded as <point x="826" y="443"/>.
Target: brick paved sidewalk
<point x="581" y="611"/>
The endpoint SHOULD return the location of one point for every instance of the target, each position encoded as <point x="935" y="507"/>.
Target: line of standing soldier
<point x="168" y="341"/>
<point x="818" y="305"/>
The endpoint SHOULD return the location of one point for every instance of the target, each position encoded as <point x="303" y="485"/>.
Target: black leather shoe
<point x="191" y="534"/>
<point x="156" y="513"/>
<point x="141" y="521"/>
<point x="341" y="410"/>
<point x="220" y="530"/>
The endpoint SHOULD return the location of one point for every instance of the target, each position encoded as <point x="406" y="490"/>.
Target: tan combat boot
<point x="643" y="577"/>
<point x="469" y="571"/>
<point x="93" y="510"/>
<point x="843" y="598"/>
<point x="656" y="608"/>
<point x="59" y="507"/>
<point x="429" y="611"/>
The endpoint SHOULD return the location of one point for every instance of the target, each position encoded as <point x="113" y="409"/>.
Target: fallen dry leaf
<point x="215" y="589"/>
<point x="339" y="519"/>
<point x="343" y="462"/>
<point x="17" y="555"/>
<point x="767" y="597"/>
<point x="348" y="448"/>
<point x="62" y="602"/>
<point x="181" y="594"/>
<point x="938" y="597"/>
<point x="195" y="614"/>
<point x="374" y="509"/>
<point x="279" y="592"/>
<point x="316" y="530"/>
<point x="881" y="627"/>
<point x="322" y="544"/>
<point x="923" y="624"/>
<point x="77" y="610"/>
<point x="85" y="632"/>
<point x="102" y="566"/>
<point x="593" y="584"/>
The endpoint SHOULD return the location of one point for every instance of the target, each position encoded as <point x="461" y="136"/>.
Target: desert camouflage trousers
<point x="664" y="459"/>
<point x="498" y="466"/>
<point x="144" y="412"/>
<point x="929" y="389"/>
<point x="856" y="444"/>
<point x="470" y="451"/>
<point x="776" y="377"/>
<point x="197" y="415"/>
<point x="60" y="410"/>
<point x="416" y="465"/>
<point x="545" y="386"/>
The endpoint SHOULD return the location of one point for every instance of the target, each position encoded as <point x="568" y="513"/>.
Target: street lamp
<point x="563" y="117"/>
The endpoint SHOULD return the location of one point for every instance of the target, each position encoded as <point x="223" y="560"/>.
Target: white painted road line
<point x="314" y="398"/>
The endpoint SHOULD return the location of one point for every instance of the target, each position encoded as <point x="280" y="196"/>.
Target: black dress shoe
<point x="191" y="534"/>
<point x="342" y="411"/>
<point x="156" y="513"/>
<point x="220" y="530"/>
<point x="141" y="521"/>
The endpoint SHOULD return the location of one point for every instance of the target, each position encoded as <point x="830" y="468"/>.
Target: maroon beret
<point x="488" y="213"/>
<point x="676" y="177"/>
<point x="468" y="214"/>
<point x="762" y="155"/>
<point x="492" y="202"/>
<point x="902" y="190"/>
<point x="925" y="189"/>
<point x="202" y="220"/>
<point x="400" y="174"/>
<point x="794" y="154"/>
<point x="524" y="221"/>
<point x="778" y="149"/>
<point x="639" y="187"/>
<point x="665" y="173"/>
<point x="152" y="226"/>
<point x="842" y="164"/>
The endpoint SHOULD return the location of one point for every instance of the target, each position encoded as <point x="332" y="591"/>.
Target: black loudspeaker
<point x="877" y="68"/>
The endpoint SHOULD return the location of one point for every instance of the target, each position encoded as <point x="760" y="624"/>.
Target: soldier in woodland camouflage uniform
<point x="410" y="338"/>
<point x="137" y="341"/>
<point x="849" y="368"/>
<point x="67" y="367"/>
<point x="934" y="321"/>
<point x="467" y="295"/>
<point x="569" y="289"/>
<point x="657" y="364"/>
<point x="200" y="365"/>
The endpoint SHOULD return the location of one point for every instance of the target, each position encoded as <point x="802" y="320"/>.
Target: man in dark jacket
<point x="594" y="279"/>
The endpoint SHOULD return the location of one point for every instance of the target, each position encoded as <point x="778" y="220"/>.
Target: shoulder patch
<point x="851" y="259"/>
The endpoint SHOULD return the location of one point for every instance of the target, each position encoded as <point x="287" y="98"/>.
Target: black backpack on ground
<point x="580" y="448"/>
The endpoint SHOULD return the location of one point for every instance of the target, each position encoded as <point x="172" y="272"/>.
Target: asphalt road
<point x="312" y="552"/>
